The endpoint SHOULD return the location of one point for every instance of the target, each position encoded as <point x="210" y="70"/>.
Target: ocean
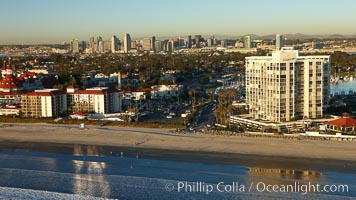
<point x="343" y="87"/>
<point x="52" y="171"/>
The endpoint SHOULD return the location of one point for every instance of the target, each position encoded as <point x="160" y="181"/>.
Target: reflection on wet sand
<point x="88" y="179"/>
<point x="286" y="173"/>
<point x="82" y="150"/>
<point x="274" y="176"/>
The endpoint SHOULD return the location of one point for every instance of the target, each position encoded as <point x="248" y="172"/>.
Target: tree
<point x="191" y="94"/>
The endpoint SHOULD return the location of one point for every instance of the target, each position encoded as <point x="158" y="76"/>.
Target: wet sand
<point x="212" y="158"/>
<point x="161" y="139"/>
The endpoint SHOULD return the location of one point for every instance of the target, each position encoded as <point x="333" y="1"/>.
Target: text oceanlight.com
<point x="236" y="187"/>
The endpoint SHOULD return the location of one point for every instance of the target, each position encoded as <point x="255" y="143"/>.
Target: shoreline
<point x="214" y="158"/>
<point x="161" y="139"/>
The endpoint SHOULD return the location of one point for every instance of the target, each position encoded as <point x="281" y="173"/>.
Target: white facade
<point x="166" y="91"/>
<point x="101" y="46"/>
<point x="137" y="96"/>
<point x="96" y="100"/>
<point x="287" y="86"/>
<point x="247" y="42"/>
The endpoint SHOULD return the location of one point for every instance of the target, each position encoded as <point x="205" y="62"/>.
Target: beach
<point x="162" y="139"/>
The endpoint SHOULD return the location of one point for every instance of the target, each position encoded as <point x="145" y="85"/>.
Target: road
<point x="204" y="116"/>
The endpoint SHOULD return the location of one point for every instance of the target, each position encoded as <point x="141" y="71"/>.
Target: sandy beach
<point x="162" y="139"/>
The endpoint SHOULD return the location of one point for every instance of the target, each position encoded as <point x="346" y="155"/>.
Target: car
<point x="169" y="116"/>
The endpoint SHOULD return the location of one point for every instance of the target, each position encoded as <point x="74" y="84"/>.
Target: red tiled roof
<point x="9" y="81"/>
<point x="27" y="74"/>
<point x="79" y="113"/>
<point x="6" y="67"/>
<point x="147" y="90"/>
<point x="11" y="107"/>
<point x="343" y="122"/>
<point x="8" y="93"/>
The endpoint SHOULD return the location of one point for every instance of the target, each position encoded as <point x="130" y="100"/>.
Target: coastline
<point x="211" y="158"/>
<point x="161" y="139"/>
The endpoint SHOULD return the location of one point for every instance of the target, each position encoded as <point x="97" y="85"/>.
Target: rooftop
<point x="343" y="122"/>
<point x="45" y="92"/>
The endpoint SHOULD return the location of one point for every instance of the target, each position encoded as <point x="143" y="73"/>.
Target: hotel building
<point x="94" y="100"/>
<point x="13" y="84"/>
<point x="44" y="103"/>
<point x="286" y="86"/>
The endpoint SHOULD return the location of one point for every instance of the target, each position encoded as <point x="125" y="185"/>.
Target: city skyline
<point x="40" y="21"/>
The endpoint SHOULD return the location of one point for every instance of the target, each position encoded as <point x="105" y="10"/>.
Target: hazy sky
<point x="54" y="21"/>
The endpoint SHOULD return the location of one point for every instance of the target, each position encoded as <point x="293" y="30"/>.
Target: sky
<point x="56" y="21"/>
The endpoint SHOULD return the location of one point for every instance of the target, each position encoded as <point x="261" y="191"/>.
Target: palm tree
<point x="191" y="94"/>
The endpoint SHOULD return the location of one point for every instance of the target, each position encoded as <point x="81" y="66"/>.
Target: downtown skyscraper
<point x="74" y="46"/>
<point x="247" y="42"/>
<point x="279" y="41"/>
<point x="114" y="44"/>
<point x="127" y="43"/>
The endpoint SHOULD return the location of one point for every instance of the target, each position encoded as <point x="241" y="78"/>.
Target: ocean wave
<point x="28" y="194"/>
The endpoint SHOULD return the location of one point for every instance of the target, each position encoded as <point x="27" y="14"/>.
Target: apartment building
<point x="44" y="103"/>
<point x="285" y="86"/>
<point x="101" y="100"/>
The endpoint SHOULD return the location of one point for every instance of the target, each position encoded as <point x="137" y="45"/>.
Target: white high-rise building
<point x="279" y="41"/>
<point x="127" y="43"/>
<point x="74" y="46"/>
<point x="286" y="86"/>
<point x="247" y="42"/>
<point x="101" y="47"/>
<point x="114" y="44"/>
